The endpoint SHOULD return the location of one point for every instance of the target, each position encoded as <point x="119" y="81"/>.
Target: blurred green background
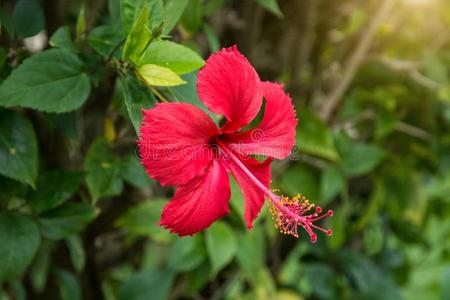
<point x="370" y="81"/>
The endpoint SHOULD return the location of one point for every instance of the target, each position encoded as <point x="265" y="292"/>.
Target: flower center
<point x="288" y="213"/>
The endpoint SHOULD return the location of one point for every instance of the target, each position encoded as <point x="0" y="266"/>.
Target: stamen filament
<point x="289" y="213"/>
<point x="328" y="214"/>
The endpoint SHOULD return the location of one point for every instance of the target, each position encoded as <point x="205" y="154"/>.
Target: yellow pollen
<point x="304" y="216"/>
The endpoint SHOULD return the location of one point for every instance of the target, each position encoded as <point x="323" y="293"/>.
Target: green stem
<point x="158" y="94"/>
<point x="115" y="50"/>
<point x="160" y="97"/>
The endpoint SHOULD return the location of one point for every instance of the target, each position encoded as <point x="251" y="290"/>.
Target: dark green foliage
<point x="28" y="17"/>
<point x="48" y="195"/>
<point x="18" y="149"/>
<point x="62" y="87"/>
<point x="19" y="237"/>
<point x="79" y="215"/>
<point x="103" y="170"/>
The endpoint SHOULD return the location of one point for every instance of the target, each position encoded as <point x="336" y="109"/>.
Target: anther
<point x="291" y="213"/>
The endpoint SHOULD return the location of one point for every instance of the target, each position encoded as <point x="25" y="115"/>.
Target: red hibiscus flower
<point x="180" y="145"/>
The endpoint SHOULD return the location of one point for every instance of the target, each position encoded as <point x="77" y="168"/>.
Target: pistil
<point x="288" y="213"/>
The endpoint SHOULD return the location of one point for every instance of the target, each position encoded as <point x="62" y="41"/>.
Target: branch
<point x="412" y="131"/>
<point x="111" y="55"/>
<point x="355" y="60"/>
<point x="411" y="69"/>
<point x="158" y="95"/>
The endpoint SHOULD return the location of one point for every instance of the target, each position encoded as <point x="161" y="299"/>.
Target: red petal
<point x="199" y="203"/>
<point x="228" y="85"/>
<point x="173" y="142"/>
<point x="253" y="196"/>
<point x="275" y="136"/>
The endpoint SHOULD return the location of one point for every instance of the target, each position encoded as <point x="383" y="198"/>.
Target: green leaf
<point x="157" y="14"/>
<point x="104" y="39"/>
<point x="69" y="286"/>
<point x="193" y="16"/>
<point x="136" y="98"/>
<point x="174" y="10"/>
<point x="272" y="6"/>
<point x="51" y="81"/>
<point x="10" y="189"/>
<point x="291" y="269"/>
<point x="373" y="238"/>
<point x="358" y="158"/>
<point x="197" y="279"/>
<point x="369" y="279"/>
<point x="134" y="173"/>
<point x="65" y="220"/>
<point x="138" y="38"/>
<point x="338" y="223"/>
<point x="130" y="9"/>
<point x="322" y="280"/>
<point x="62" y="38"/>
<point x="152" y="284"/>
<point x="384" y="124"/>
<point x="18" y="148"/>
<point x="188" y="93"/>
<point x="19" y="241"/>
<point x="237" y="289"/>
<point x="41" y="266"/>
<point x="143" y="218"/>
<point x="76" y="251"/>
<point x="177" y="58"/>
<point x="103" y="170"/>
<point x="187" y="253"/>
<point x="263" y="283"/>
<point x="154" y="254"/>
<point x="48" y="195"/>
<point x="221" y="245"/>
<point x="114" y="12"/>
<point x="252" y="251"/>
<point x="28" y="17"/>
<point x="372" y="205"/>
<point x="159" y="76"/>
<point x="237" y="202"/>
<point x="213" y="39"/>
<point x="331" y="183"/>
<point x="314" y="137"/>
